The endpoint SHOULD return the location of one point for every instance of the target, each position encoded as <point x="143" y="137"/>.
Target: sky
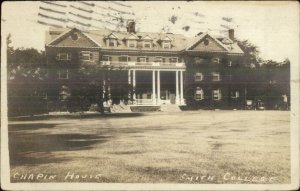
<point x="272" y="26"/>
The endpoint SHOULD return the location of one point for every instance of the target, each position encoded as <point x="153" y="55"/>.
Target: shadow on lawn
<point x="28" y="147"/>
<point x="76" y="116"/>
<point x="36" y="148"/>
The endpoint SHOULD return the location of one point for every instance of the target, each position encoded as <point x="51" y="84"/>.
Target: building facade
<point x="158" y="68"/>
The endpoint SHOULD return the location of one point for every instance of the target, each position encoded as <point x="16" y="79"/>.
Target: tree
<point x="26" y="78"/>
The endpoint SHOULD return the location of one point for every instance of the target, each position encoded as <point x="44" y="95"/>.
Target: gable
<point x="132" y="37"/>
<point x="74" y="38"/>
<point x="112" y="36"/>
<point x="166" y="38"/>
<point x="147" y="38"/>
<point x="207" y="44"/>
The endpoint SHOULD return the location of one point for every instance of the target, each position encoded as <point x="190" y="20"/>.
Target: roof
<point x="179" y="42"/>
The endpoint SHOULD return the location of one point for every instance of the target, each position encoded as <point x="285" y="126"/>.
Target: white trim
<point x="219" y="94"/>
<point x="216" y="74"/>
<point x="197" y="75"/>
<point x="85" y="52"/>
<point x="200" y="92"/>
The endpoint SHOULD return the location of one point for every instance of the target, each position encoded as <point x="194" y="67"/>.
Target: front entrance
<point x="155" y="87"/>
<point x="168" y="87"/>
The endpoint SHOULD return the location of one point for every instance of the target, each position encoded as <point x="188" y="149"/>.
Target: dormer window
<point x="147" y="41"/>
<point x="166" y="44"/>
<point x="131" y="43"/>
<point x="112" y="40"/>
<point x="147" y="44"/>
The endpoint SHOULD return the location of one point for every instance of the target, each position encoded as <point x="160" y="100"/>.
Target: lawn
<point x="195" y="147"/>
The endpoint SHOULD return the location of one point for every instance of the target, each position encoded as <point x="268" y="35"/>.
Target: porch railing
<point x="142" y="64"/>
<point x="144" y="102"/>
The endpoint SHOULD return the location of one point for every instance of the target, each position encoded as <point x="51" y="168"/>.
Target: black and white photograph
<point x="150" y="95"/>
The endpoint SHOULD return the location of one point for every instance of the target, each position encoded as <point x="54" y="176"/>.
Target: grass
<point x="154" y="148"/>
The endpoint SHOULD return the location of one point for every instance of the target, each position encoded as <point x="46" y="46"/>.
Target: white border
<point x="5" y="169"/>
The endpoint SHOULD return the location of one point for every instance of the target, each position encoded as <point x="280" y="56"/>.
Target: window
<point x="63" y="74"/>
<point x="235" y="94"/>
<point x="74" y="36"/>
<point x="86" y="56"/>
<point x="198" y="77"/>
<point x="64" y="93"/>
<point x="143" y="59"/>
<point x="166" y="44"/>
<point x="124" y="59"/>
<point x="112" y="42"/>
<point x="147" y="44"/>
<point x="63" y="56"/>
<point x="199" y="95"/>
<point x="216" y="94"/>
<point x="216" y="76"/>
<point x="159" y="59"/>
<point x="206" y="42"/>
<point x="173" y="60"/>
<point x="216" y="60"/>
<point x="106" y="58"/>
<point x="131" y="43"/>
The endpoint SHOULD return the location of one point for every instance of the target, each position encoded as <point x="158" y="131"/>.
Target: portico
<point x="162" y="83"/>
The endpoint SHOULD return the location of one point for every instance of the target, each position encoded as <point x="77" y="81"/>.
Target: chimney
<point x="231" y="34"/>
<point x="131" y="26"/>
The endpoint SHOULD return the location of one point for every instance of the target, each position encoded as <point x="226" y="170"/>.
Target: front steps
<point x="121" y="108"/>
<point x="170" y="108"/>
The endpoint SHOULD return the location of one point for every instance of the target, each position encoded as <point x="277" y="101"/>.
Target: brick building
<point x="161" y="68"/>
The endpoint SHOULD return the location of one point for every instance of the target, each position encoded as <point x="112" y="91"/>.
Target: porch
<point x="153" y="83"/>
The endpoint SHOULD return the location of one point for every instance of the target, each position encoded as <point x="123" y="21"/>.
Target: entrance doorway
<point x="167" y="87"/>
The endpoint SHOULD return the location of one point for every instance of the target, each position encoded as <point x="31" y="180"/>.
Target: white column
<point x="129" y="83"/>
<point x="134" y="84"/>
<point x="177" y="88"/>
<point x="153" y="88"/>
<point x="181" y="88"/>
<point x="104" y="88"/>
<point x="108" y="90"/>
<point x="158" y="87"/>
